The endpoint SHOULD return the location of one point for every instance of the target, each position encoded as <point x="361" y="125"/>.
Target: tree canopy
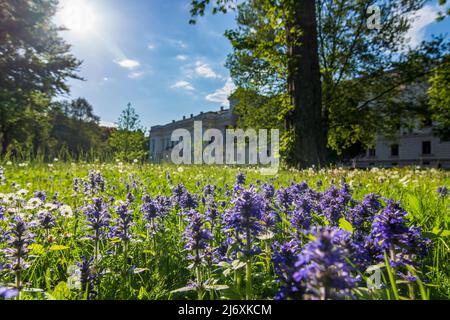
<point x="363" y="70"/>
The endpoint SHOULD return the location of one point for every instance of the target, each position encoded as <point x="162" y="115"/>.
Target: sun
<point x="77" y="16"/>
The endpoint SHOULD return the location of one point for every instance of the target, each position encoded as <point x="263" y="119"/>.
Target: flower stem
<point x="248" y="268"/>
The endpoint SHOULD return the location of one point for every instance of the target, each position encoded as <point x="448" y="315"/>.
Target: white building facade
<point x="160" y="136"/>
<point x="419" y="147"/>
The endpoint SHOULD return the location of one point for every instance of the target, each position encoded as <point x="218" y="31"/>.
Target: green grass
<point x="158" y="262"/>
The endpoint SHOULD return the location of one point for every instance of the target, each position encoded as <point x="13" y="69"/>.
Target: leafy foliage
<point x="128" y="141"/>
<point x="439" y="93"/>
<point x="35" y="63"/>
<point x="268" y="237"/>
<point x="364" y="71"/>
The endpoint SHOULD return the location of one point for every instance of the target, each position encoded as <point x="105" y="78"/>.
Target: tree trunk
<point x="309" y="142"/>
<point x="5" y="144"/>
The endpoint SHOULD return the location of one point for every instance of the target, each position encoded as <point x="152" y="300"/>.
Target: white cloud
<point x="128" y="63"/>
<point x="108" y="124"/>
<point x="177" y="43"/>
<point x="205" y="71"/>
<point x="419" y="23"/>
<point x="181" y="44"/>
<point x="221" y="95"/>
<point x="183" y="85"/>
<point x="151" y="46"/>
<point x="136" y="75"/>
<point x="181" y="57"/>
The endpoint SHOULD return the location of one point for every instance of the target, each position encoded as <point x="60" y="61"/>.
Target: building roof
<point x="192" y="117"/>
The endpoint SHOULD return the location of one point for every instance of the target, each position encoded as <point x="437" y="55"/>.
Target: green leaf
<point x="237" y="264"/>
<point x="61" y="292"/>
<point x="142" y="294"/>
<point x="57" y="247"/>
<point x="217" y="287"/>
<point x="184" y="289"/>
<point x="139" y="270"/>
<point x="266" y="236"/>
<point x="36" y="249"/>
<point x="345" y="225"/>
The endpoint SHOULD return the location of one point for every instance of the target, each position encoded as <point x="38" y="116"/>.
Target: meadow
<point x="142" y="231"/>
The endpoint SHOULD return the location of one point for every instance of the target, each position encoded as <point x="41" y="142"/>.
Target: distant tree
<point x="128" y="141"/>
<point x="75" y="131"/>
<point x="82" y="110"/>
<point x="34" y="65"/>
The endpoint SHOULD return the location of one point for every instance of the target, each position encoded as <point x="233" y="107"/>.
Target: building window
<point x="372" y="152"/>
<point x="426" y="147"/>
<point x="394" y="150"/>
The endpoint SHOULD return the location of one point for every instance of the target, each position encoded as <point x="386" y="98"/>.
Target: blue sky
<point x="146" y="53"/>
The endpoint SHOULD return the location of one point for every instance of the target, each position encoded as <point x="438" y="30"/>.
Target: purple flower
<point x="319" y="184"/>
<point x="76" y="185"/>
<point x="124" y="222"/>
<point x="322" y="271"/>
<point x="164" y="205"/>
<point x="18" y="238"/>
<point x="149" y="208"/>
<point x="268" y="191"/>
<point x="246" y="212"/>
<point x="334" y="202"/>
<point x="98" y="218"/>
<point x="197" y="237"/>
<point x="8" y="293"/>
<point x="284" y="259"/>
<point x="96" y="181"/>
<point x="301" y="217"/>
<point x="390" y="234"/>
<point x="46" y="220"/>
<point x="226" y="192"/>
<point x="130" y="197"/>
<point x="41" y="195"/>
<point x="212" y="213"/>
<point x="89" y="278"/>
<point x="298" y="188"/>
<point x="177" y="193"/>
<point x="240" y="181"/>
<point x="188" y="201"/>
<point x="284" y="198"/>
<point x="442" y="191"/>
<point x="240" y="178"/>
<point x="152" y="209"/>
<point x="209" y="190"/>
<point x="362" y="215"/>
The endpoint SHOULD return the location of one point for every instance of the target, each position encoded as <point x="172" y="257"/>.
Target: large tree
<point x="35" y="63"/>
<point x="278" y="46"/>
<point x="297" y="21"/>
